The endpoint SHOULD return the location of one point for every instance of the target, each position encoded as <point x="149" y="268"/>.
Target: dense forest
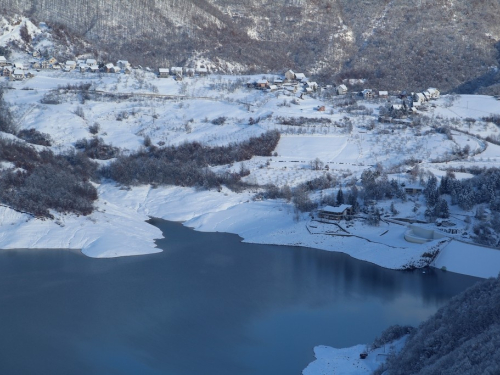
<point x="399" y="44"/>
<point x="463" y="337"/>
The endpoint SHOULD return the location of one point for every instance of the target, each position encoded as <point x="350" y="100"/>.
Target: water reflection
<point x="208" y="304"/>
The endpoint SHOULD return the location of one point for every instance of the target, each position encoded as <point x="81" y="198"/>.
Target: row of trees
<point x="188" y="164"/>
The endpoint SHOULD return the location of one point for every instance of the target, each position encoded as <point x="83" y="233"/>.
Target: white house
<point x="433" y="92"/>
<point x="341" y="89"/>
<point x="397" y="107"/>
<point x="299" y="76"/>
<point x="91" y="62"/>
<point x="335" y="213"/>
<point x="109" y="68"/>
<point x="367" y="93"/>
<point x="122" y="64"/>
<point x="176" y="70"/>
<point x="289" y="75"/>
<point x="18" y="75"/>
<point x="202" y="71"/>
<point x="163" y="73"/>
<point x="70" y="65"/>
<point x="383" y="94"/>
<point x="312" y="85"/>
<point x="419" y="98"/>
<point x="3" y="61"/>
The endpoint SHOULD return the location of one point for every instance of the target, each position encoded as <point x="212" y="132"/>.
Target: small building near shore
<point x="335" y="213"/>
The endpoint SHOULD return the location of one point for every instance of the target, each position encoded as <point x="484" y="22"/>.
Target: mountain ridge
<point x="393" y="44"/>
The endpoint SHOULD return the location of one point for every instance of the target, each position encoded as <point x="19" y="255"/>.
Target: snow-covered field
<point x="171" y="112"/>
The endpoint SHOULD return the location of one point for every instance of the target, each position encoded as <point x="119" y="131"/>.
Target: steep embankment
<point x="463" y="337"/>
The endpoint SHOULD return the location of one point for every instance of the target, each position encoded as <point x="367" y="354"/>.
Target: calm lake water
<point x="208" y="304"/>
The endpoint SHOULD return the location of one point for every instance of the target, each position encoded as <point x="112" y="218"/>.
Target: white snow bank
<point x="346" y="361"/>
<point x="469" y="259"/>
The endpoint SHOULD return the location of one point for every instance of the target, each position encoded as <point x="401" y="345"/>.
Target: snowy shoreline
<point x="118" y="227"/>
<point x="347" y="360"/>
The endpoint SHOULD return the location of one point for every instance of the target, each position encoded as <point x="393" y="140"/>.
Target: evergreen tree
<point x="441" y="210"/>
<point x="431" y="192"/>
<point x="340" y="197"/>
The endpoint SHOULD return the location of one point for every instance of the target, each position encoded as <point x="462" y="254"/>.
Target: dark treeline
<point x="40" y="181"/>
<point x="463" y="337"/>
<point x="187" y="164"/>
<point x="43" y="181"/>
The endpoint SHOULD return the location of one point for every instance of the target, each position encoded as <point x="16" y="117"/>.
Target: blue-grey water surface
<point x="208" y="304"/>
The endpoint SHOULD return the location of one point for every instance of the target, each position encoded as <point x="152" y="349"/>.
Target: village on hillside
<point x="351" y="163"/>
<point x="290" y="83"/>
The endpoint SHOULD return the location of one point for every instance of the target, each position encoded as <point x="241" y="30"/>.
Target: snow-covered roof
<point x="70" y="62"/>
<point x="432" y="90"/>
<point x="273" y="87"/>
<point x="162" y="70"/>
<point x="18" y="65"/>
<point x="93" y="67"/>
<point x="366" y="91"/>
<point x="300" y="76"/>
<point x="201" y="70"/>
<point x="383" y="93"/>
<point x="3" y="59"/>
<point x="336" y="210"/>
<point x="110" y="66"/>
<point x="343" y="87"/>
<point x="91" y="62"/>
<point x="18" y="72"/>
<point x="122" y="62"/>
<point x="176" y="69"/>
<point x="311" y="84"/>
<point x="262" y="82"/>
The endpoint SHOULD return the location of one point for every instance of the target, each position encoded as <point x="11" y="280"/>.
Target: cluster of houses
<point x="291" y="83"/>
<point x="178" y="72"/>
<point x="19" y="71"/>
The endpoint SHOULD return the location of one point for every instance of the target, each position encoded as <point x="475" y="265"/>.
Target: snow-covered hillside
<point x="127" y="109"/>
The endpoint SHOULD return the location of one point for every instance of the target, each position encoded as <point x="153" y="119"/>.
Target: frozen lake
<point x="208" y="304"/>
